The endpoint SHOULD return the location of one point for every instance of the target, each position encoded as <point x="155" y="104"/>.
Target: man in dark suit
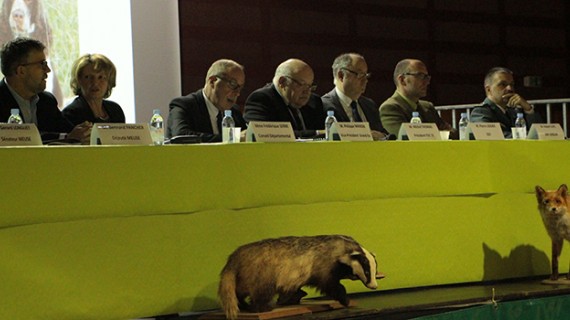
<point x="200" y="112"/>
<point x="412" y="80"/>
<point x="503" y="103"/>
<point x="289" y="98"/>
<point x="24" y="65"/>
<point x="350" y="73"/>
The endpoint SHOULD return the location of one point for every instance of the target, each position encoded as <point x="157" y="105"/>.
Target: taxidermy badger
<point x="262" y="269"/>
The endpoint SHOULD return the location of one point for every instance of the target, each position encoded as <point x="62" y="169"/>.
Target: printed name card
<point x="418" y="131"/>
<point x="485" y="131"/>
<point x="544" y="131"/>
<point x="120" y="134"/>
<point x="352" y="131"/>
<point x="12" y="134"/>
<point x="262" y="131"/>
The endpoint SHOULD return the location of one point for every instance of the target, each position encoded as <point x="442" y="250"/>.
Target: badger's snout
<point x="373" y="284"/>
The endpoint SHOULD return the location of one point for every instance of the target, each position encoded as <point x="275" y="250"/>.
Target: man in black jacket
<point x="502" y="102"/>
<point x="25" y="68"/>
<point x="200" y="112"/>
<point x="289" y="98"/>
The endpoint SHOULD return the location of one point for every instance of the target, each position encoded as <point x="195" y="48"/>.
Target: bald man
<point x="289" y="98"/>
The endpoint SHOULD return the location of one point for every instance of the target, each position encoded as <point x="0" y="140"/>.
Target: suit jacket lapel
<point x="402" y="102"/>
<point x="368" y="112"/>
<point x="204" y="115"/>
<point x="342" y="116"/>
<point x="503" y="117"/>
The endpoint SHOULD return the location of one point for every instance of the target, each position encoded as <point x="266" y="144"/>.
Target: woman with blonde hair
<point x="92" y="80"/>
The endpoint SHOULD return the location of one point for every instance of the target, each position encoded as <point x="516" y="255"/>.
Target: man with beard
<point x="503" y="103"/>
<point x="412" y="80"/>
<point x="24" y="65"/>
<point x="350" y="76"/>
<point x="200" y="113"/>
<point x="289" y="98"/>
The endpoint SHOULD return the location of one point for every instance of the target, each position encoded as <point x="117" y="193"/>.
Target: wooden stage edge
<point x="407" y="303"/>
<point x="306" y="307"/>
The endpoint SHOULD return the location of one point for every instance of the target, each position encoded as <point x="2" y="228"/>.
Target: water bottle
<point x="157" y="127"/>
<point x="228" y="126"/>
<point x="15" y="117"/>
<point x="416" y="118"/>
<point x="329" y="121"/>
<point x="463" y="123"/>
<point x="520" y="127"/>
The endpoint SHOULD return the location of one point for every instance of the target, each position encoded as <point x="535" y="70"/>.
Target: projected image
<point x="53" y="22"/>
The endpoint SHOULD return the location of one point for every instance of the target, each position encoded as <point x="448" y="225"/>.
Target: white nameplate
<point x="419" y="131"/>
<point x="352" y="131"/>
<point x="262" y="131"/>
<point x="26" y="134"/>
<point x="485" y="131"/>
<point x="546" y="131"/>
<point x="120" y="134"/>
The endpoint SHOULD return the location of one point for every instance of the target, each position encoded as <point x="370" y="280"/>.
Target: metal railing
<point x="548" y="103"/>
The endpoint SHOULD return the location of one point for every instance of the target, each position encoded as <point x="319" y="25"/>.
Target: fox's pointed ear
<point x="563" y="190"/>
<point x="539" y="192"/>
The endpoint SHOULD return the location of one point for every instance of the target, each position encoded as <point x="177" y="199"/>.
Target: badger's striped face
<point x="364" y="267"/>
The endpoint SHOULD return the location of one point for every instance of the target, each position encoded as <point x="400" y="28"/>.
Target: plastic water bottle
<point x="157" y="127"/>
<point x="15" y="117"/>
<point x="416" y="117"/>
<point x="228" y="126"/>
<point x="520" y="127"/>
<point x="463" y="123"/>
<point x="329" y="121"/>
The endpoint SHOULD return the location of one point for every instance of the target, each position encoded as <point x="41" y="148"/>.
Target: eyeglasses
<point x="358" y="74"/>
<point x="312" y="86"/>
<point x="43" y="64"/>
<point x="421" y="75"/>
<point x="231" y="83"/>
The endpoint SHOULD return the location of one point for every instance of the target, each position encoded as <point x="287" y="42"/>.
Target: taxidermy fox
<point x="281" y="266"/>
<point x="553" y="207"/>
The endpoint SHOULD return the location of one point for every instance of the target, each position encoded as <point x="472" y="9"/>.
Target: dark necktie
<point x="298" y="123"/>
<point x="355" y="115"/>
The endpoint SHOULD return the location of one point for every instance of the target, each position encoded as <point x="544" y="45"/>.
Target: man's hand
<point x="377" y="135"/>
<point x="514" y="100"/>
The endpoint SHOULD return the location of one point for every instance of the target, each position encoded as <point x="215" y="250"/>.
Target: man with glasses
<point x="200" y="113"/>
<point x="412" y="80"/>
<point x="289" y="98"/>
<point x="24" y="65"/>
<point x="350" y="76"/>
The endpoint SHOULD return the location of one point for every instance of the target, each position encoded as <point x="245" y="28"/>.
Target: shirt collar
<point x="488" y="101"/>
<point x="213" y="113"/>
<point x="212" y="110"/>
<point x="344" y="99"/>
<point x="19" y="98"/>
<point x="27" y="107"/>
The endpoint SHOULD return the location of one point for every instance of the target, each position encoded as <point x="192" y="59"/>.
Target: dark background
<point x="458" y="40"/>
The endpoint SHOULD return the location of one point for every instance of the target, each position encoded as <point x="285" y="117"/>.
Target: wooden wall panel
<point x="471" y="6"/>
